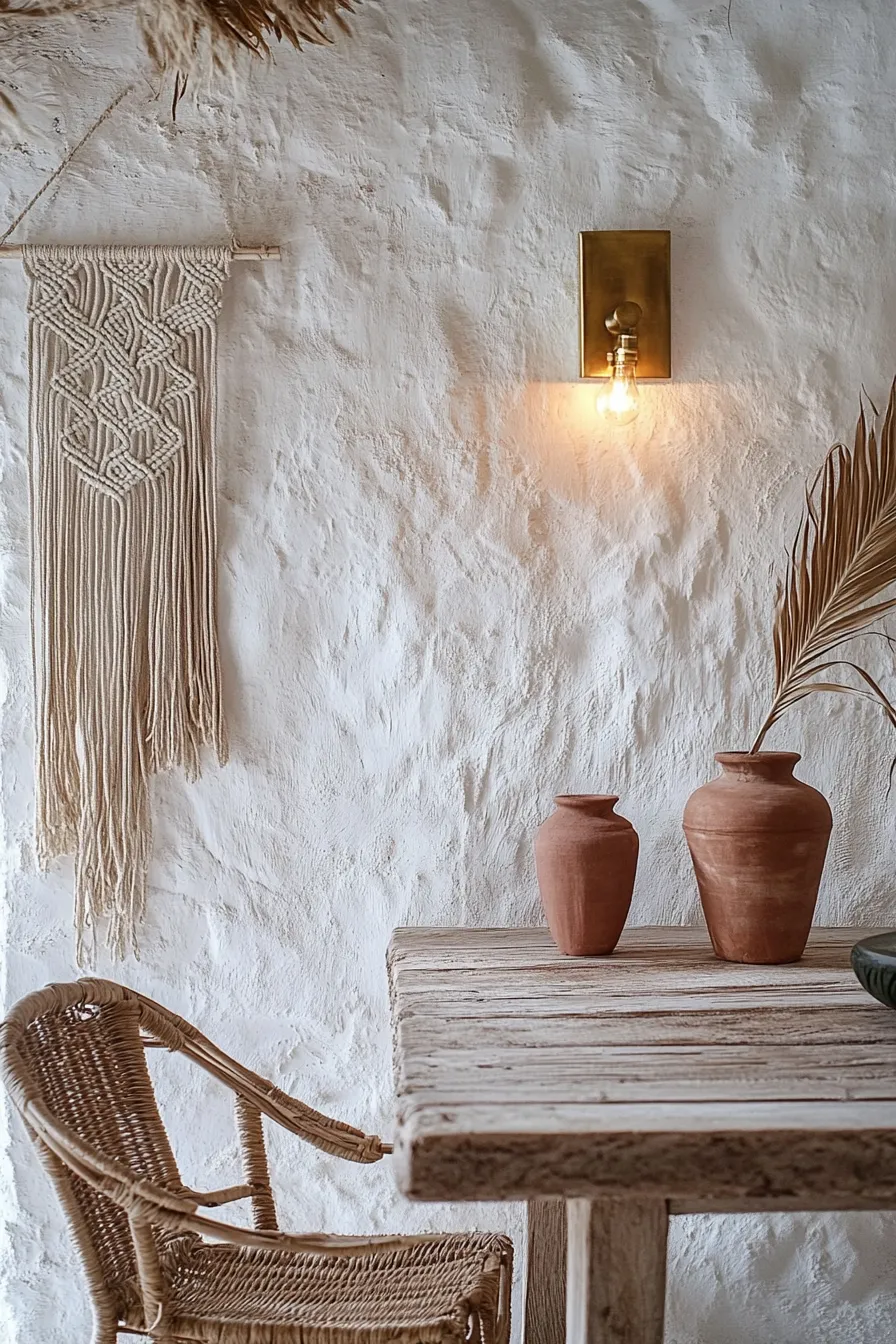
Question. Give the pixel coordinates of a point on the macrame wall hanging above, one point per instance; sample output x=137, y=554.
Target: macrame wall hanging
x=122, y=350
x=127, y=676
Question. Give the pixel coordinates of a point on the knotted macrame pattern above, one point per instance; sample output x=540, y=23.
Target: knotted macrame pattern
x=127, y=676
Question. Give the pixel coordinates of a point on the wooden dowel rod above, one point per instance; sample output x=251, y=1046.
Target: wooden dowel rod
x=263, y=253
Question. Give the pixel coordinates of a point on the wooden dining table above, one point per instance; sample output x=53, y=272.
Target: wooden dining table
x=612, y=1093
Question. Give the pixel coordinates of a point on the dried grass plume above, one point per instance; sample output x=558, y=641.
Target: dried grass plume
x=202, y=37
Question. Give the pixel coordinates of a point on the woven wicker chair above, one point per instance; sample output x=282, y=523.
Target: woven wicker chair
x=72, y=1058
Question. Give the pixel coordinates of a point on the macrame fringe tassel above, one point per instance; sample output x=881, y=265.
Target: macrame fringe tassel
x=127, y=670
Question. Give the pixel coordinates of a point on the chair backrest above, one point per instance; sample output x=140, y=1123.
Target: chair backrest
x=77, y=1049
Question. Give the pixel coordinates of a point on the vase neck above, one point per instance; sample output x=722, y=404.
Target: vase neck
x=592, y=804
x=759, y=766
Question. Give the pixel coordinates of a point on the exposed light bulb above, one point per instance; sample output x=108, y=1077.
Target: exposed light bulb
x=618, y=402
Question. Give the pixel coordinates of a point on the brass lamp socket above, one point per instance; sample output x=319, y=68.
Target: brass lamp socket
x=622, y=323
x=625, y=355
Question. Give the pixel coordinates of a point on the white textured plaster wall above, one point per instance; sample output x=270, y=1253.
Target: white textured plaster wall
x=446, y=591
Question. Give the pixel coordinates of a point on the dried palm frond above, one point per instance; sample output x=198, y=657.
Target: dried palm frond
x=841, y=564
x=194, y=37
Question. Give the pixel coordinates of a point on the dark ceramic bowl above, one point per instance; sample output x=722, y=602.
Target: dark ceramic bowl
x=874, y=962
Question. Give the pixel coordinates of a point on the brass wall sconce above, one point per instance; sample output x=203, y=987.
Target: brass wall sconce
x=625, y=291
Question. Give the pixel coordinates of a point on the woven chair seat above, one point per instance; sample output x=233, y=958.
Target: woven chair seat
x=418, y=1294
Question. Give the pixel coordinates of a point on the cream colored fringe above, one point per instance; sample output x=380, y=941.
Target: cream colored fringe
x=127, y=676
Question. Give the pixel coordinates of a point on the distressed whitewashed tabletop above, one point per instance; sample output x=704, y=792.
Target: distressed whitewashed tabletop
x=658, y=1080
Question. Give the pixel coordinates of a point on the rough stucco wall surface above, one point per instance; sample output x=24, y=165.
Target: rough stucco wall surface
x=446, y=591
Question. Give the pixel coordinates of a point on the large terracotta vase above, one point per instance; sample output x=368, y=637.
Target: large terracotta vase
x=758, y=840
x=585, y=857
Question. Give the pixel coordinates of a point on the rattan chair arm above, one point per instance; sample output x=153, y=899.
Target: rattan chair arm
x=148, y=1203
x=333, y=1136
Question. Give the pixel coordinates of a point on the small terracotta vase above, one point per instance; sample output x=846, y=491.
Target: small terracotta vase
x=758, y=840
x=585, y=858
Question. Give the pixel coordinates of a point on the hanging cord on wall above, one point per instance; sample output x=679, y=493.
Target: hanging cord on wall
x=260, y=252
x=57, y=173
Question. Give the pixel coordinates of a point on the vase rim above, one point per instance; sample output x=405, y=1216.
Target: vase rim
x=585, y=799
x=738, y=757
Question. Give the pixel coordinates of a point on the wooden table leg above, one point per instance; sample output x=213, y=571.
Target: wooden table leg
x=546, y=1274
x=616, y=1287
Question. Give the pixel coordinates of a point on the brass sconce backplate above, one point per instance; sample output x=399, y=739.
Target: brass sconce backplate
x=618, y=266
